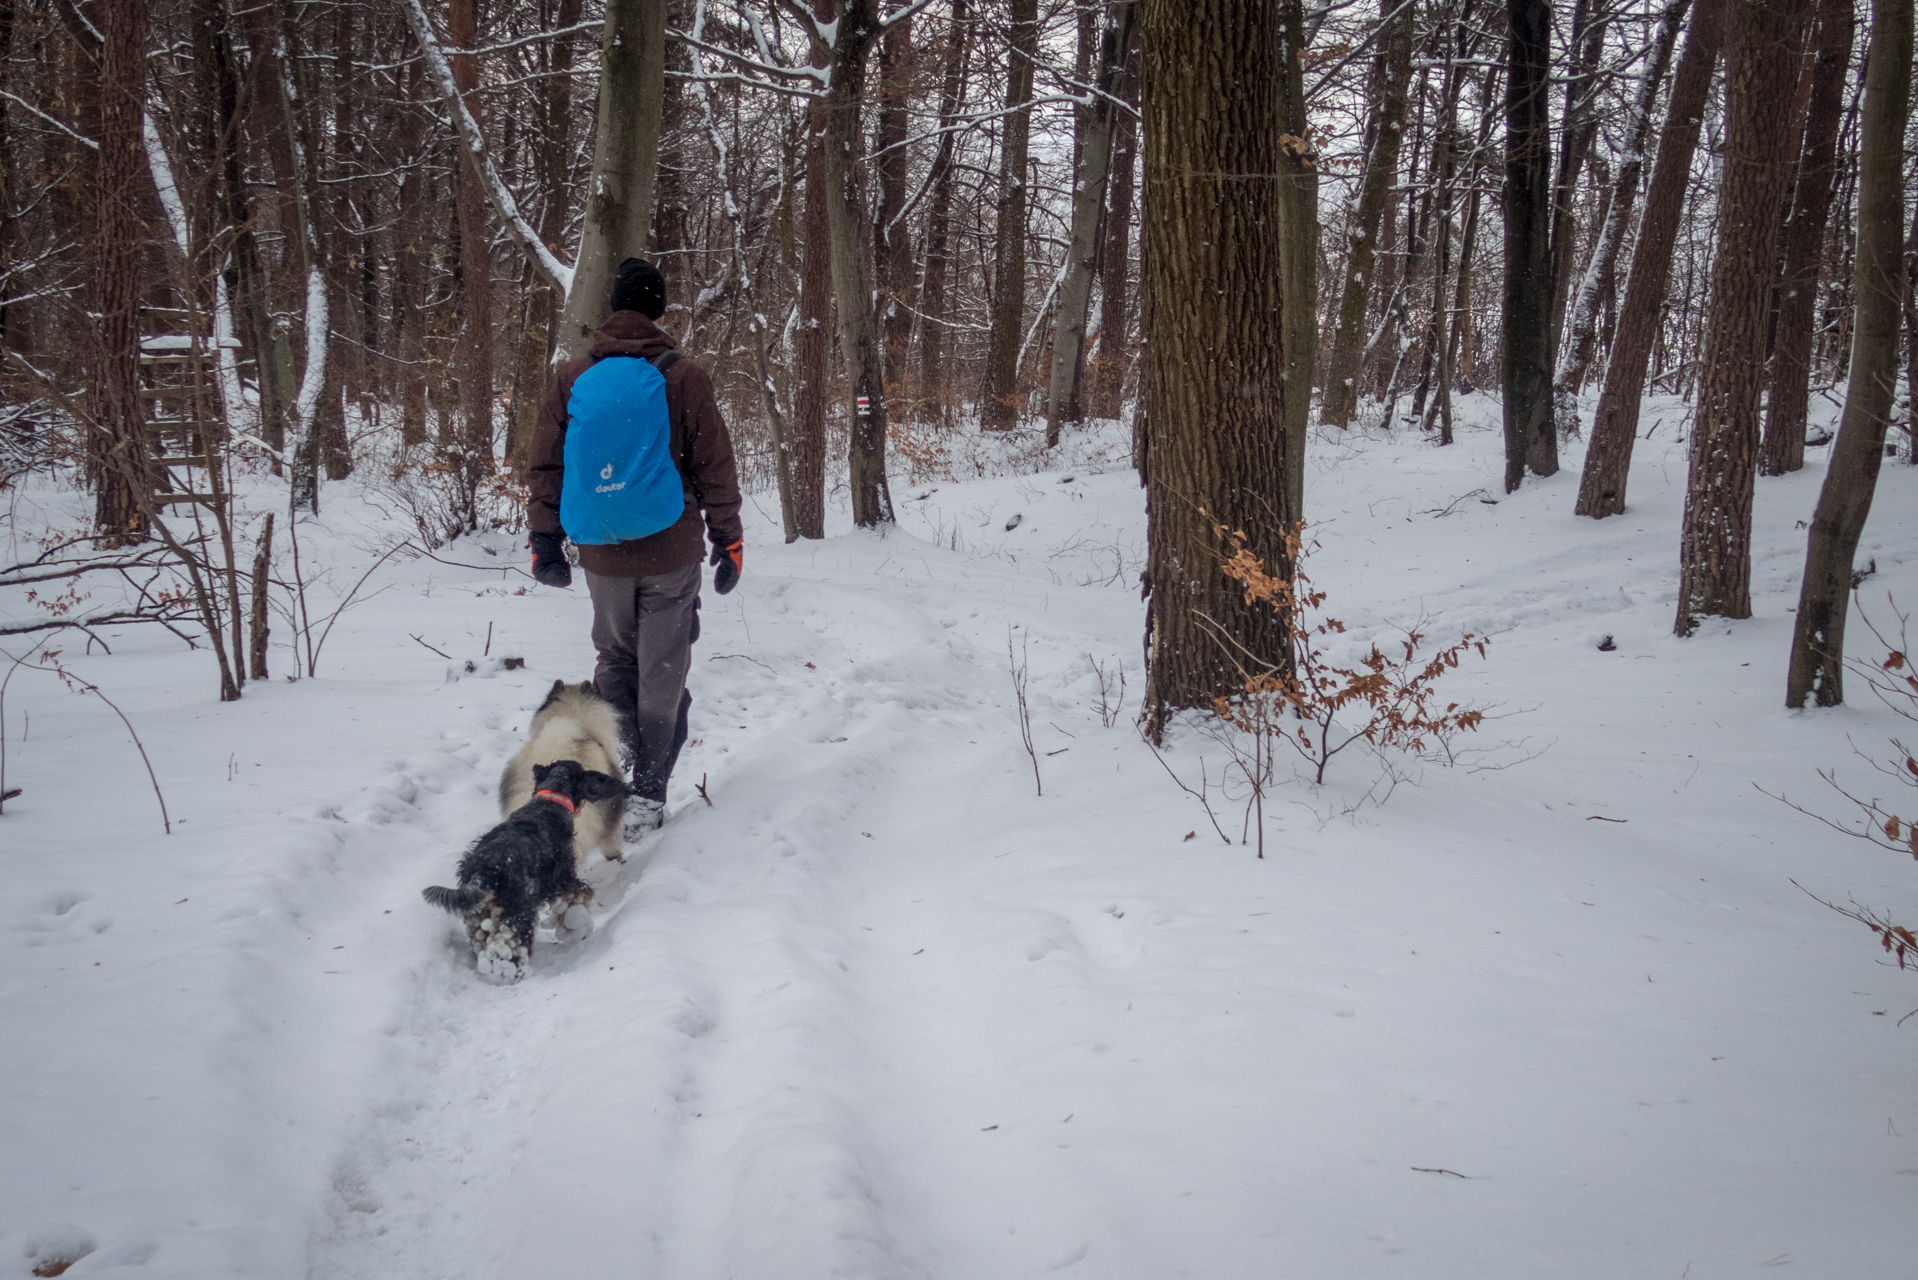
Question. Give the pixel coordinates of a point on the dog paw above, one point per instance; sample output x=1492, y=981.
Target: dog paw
x=575, y=923
x=501, y=967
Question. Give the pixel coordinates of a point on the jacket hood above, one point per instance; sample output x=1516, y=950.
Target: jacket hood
x=628, y=333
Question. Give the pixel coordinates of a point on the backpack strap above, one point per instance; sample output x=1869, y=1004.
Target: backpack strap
x=662, y=362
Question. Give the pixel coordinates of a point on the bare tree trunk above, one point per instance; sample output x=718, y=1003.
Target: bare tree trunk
x=552, y=144
x=892, y=240
x=250, y=276
x=1576, y=132
x=1530, y=441
x=1608, y=460
x=934, y=381
x=619, y=206
x=258, y=624
x=999, y=411
x=1761, y=66
x=1783, y=448
x=476, y=281
x=1105, y=381
x=1438, y=345
x=409, y=275
x=117, y=454
x=1384, y=131
x=1911, y=342
x=858, y=28
x=1215, y=360
x=1582, y=345
x=815, y=320
x=1298, y=248
x=1088, y=208
x=1818, y=633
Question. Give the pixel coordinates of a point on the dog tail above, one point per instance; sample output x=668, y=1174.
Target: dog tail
x=456, y=901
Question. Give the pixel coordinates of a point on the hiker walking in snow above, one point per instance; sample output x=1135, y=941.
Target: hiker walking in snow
x=629, y=450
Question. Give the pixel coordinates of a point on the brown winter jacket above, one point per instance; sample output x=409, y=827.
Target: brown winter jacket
x=702, y=450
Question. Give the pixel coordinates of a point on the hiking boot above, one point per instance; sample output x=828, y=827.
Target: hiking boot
x=642, y=817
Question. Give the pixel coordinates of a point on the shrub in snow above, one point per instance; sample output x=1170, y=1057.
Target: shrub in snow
x=1894, y=679
x=1388, y=698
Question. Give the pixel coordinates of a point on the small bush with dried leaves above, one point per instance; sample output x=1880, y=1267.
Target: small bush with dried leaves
x=1894, y=680
x=1388, y=699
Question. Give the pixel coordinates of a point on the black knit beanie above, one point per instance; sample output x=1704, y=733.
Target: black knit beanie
x=639, y=287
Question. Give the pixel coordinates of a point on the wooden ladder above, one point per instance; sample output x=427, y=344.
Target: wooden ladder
x=185, y=428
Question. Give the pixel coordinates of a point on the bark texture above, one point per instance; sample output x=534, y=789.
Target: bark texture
x=1761, y=69
x=1818, y=633
x=999, y=410
x=117, y=452
x=1106, y=369
x=1783, y=448
x=808, y=440
x=850, y=235
x=1384, y=130
x=1530, y=442
x=1582, y=342
x=1088, y=208
x=632, y=87
x=891, y=239
x=1214, y=362
x=1608, y=460
x=476, y=275
x=934, y=383
x=1298, y=247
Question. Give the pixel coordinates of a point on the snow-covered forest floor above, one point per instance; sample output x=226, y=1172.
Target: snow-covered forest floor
x=879, y=1010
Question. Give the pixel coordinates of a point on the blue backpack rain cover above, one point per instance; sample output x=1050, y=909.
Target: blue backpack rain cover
x=620, y=482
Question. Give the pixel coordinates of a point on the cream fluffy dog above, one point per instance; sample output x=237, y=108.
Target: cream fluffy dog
x=574, y=723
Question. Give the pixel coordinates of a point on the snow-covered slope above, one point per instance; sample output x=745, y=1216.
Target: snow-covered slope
x=880, y=1010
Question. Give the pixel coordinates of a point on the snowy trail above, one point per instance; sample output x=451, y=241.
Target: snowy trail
x=731, y=965
x=881, y=1011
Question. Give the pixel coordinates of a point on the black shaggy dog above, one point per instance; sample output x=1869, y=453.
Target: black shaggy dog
x=523, y=864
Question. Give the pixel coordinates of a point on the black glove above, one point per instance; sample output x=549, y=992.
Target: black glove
x=549, y=560
x=728, y=563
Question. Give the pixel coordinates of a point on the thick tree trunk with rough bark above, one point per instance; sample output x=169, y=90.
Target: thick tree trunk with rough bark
x=999, y=410
x=850, y=235
x=808, y=438
x=619, y=204
x=1215, y=360
x=1088, y=207
x=1530, y=441
x=1818, y=631
x=1582, y=342
x=1608, y=460
x=117, y=452
x=1783, y=448
x=1391, y=78
x=1761, y=67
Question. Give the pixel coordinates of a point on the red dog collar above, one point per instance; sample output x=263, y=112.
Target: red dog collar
x=556, y=798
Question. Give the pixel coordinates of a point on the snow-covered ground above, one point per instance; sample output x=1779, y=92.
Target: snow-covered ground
x=879, y=1010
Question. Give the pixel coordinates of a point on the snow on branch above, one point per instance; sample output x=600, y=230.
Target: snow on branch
x=817, y=75
x=903, y=13
x=497, y=193
x=68, y=130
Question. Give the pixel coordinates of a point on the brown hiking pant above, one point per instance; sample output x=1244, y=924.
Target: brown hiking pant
x=644, y=629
